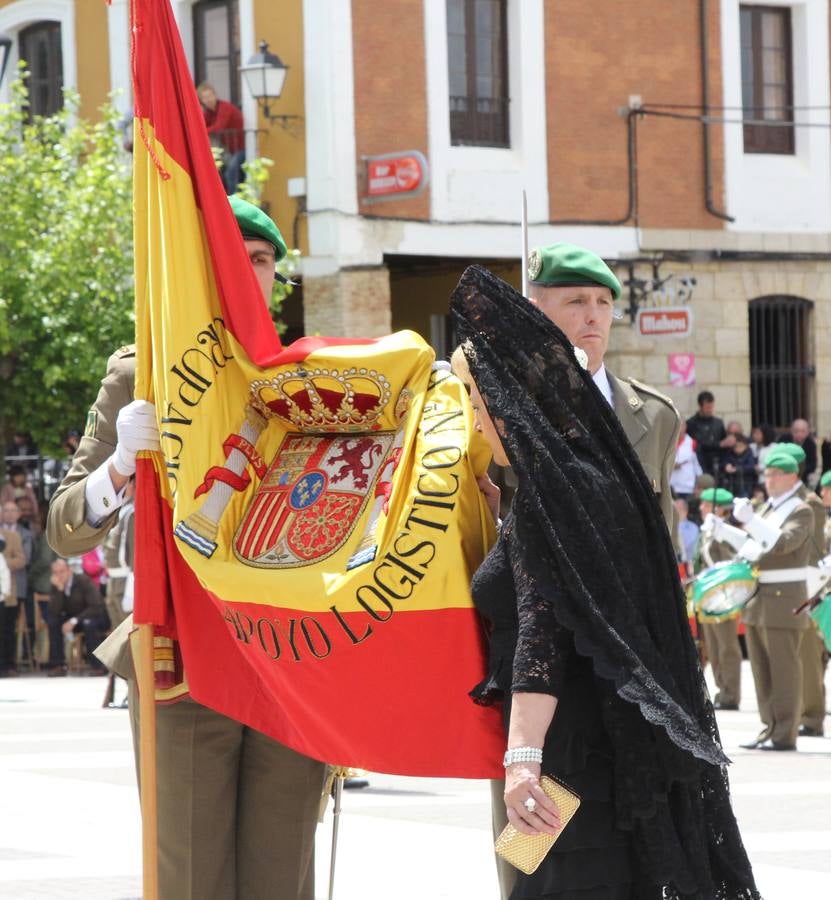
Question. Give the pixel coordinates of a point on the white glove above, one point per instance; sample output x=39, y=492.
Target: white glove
x=742, y=510
x=137, y=430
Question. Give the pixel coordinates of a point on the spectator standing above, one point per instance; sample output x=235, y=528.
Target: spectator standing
x=22, y=445
x=40, y=586
x=800, y=433
x=17, y=486
x=11, y=523
x=687, y=467
x=709, y=433
x=762, y=439
x=225, y=128
x=687, y=533
x=740, y=467
x=15, y=560
x=75, y=607
x=5, y=575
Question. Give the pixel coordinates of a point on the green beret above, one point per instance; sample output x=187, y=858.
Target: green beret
x=781, y=460
x=825, y=481
x=566, y=265
x=255, y=225
x=793, y=450
x=717, y=496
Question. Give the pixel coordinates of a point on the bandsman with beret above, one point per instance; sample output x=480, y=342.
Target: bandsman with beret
x=812, y=654
x=237, y=811
x=721, y=639
x=780, y=540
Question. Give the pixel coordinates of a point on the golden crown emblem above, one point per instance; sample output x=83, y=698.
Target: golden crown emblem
x=324, y=399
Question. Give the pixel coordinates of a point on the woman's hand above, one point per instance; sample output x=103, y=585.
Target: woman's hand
x=522, y=781
x=491, y=493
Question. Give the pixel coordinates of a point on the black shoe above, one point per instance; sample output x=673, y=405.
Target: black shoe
x=726, y=706
x=775, y=745
x=353, y=784
x=807, y=731
x=754, y=744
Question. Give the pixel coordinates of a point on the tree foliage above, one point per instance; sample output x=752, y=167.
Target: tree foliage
x=66, y=262
x=66, y=270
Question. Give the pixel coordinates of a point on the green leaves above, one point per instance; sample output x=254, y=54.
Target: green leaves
x=66, y=263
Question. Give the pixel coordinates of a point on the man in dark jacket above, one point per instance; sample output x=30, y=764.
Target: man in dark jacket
x=75, y=607
x=709, y=434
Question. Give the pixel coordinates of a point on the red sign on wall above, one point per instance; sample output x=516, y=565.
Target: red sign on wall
x=667, y=321
x=393, y=176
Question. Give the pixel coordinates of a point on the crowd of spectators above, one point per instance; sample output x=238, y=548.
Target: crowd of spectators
x=733, y=456
x=48, y=605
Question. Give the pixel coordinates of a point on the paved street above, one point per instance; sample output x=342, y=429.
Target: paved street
x=69, y=825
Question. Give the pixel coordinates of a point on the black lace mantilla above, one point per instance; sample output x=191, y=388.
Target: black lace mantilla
x=588, y=535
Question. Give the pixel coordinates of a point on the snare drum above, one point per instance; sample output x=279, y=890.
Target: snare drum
x=720, y=592
x=821, y=614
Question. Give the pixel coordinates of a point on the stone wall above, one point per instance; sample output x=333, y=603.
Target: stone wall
x=720, y=339
x=352, y=302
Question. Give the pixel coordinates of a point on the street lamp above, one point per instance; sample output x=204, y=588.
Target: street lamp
x=5, y=53
x=265, y=75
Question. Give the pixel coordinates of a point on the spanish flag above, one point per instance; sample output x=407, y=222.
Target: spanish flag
x=307, y=535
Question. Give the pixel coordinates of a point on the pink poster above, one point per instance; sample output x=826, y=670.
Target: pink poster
x=681, y=369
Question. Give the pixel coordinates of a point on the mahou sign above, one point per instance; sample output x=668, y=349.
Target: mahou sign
x=665, y=321
x=393, y=176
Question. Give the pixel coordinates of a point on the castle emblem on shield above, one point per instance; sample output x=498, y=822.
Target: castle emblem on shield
x=310, y=498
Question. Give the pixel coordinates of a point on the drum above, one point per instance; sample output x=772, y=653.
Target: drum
x=720, y=592
x=821, y=614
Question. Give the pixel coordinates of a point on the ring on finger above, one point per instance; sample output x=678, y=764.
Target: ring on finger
x=530, y=804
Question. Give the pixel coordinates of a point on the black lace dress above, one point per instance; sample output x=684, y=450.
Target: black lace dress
x=584, y=600
x=593, y=858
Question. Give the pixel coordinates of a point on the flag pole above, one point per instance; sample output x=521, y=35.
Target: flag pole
x=524, y=260
x=337, y=793
x=147, y=762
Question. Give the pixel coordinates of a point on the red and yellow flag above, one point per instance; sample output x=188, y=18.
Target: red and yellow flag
x=308, y=533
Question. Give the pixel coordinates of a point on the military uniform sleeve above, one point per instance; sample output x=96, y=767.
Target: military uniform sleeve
x=670, y=414
x=68, y=531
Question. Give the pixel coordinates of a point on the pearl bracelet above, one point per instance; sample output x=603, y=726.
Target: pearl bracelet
x=522, y=754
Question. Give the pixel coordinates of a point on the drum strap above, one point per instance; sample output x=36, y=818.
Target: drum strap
x=777, y=516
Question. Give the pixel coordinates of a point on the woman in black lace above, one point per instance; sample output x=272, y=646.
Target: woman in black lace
x=590, y=646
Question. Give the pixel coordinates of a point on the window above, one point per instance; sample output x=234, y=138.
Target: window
x=216, y=46
x=40, y=46
x=477, y=56
x=767, y=79
x=781, y=380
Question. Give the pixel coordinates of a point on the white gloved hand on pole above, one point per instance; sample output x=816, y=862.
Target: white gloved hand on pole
x=137, y=429
x=742, y=510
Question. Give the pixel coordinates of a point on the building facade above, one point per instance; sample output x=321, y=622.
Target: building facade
x=689, y=143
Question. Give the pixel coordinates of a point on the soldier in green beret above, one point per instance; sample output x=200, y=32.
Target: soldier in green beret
x=721, y=639
x=576, y=290
x=237, y=811
x=782, y=536
x=812, y=654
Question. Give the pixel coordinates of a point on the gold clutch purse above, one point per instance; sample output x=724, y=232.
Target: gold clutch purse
x=527, y=851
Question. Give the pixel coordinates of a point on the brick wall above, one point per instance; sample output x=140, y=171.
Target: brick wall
x=350, y=303
x=390, y=90
x=651, y=49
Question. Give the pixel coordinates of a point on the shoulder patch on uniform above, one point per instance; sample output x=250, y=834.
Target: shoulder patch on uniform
x=92, y=423
x=653, y=392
